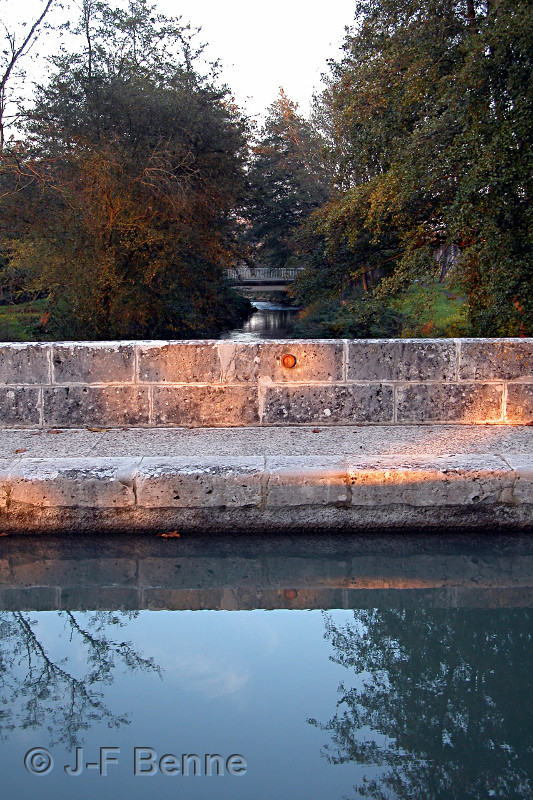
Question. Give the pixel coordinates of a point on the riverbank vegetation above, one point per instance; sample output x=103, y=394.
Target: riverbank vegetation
x=133, y=181
x=427, y=120
x=119, y=202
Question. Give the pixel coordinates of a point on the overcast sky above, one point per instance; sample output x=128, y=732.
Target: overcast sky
x=263, y=45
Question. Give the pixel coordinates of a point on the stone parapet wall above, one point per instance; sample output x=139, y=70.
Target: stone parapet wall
x=232, y=384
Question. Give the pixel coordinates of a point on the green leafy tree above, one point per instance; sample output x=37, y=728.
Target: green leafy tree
x=288, y=180
x=428, y=118
x=122, y=198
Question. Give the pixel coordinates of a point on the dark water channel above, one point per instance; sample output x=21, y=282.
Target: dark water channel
x=302, y=668
x=269, y=321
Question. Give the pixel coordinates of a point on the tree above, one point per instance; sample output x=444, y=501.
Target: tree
x=428, y=117
x=15, y=45
x=288, y=180
x=129, y=177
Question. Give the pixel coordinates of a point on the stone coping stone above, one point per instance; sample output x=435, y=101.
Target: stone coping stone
x=486, y=484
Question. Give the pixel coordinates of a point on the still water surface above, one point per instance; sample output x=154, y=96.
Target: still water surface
x=427, y=695
x=269, y=321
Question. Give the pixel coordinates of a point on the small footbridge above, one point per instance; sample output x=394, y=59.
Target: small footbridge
x=262, y=277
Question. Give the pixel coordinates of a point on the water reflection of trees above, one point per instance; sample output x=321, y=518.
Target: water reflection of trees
x=38, y=691
x=442, y=703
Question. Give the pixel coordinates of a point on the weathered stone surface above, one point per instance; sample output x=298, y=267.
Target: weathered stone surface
x=93, y=362
x=185, y=362
x=443, y=402
x=401, y=360
x=448, y=481
x=316, y=361
x=299, y=480
x=328, y=405
x=106, y=406
x=6, y=465
x=23, y=362
x=257, y=521
x=206, y=406
x=93, y=483
x=523, y=468
x=239, y=361
x=519, y=406
x=495, y=359
x=186, y=483
x=19, y=407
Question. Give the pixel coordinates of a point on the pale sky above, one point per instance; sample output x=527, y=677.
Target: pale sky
x=262, y=45
x=265, y=45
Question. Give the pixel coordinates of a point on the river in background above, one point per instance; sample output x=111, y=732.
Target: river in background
x=268, y=321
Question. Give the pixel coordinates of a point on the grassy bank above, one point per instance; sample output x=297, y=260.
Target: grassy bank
x=18, y=322
x=432, y=310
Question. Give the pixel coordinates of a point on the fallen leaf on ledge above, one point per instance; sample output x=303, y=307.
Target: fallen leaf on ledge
x=20, y=450
x=171, y=535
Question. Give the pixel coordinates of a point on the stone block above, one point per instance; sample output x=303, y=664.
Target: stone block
x=105, y=406
x=6, y=465
x=328, y=405
x=519, y=405
x=93, y=362
x=489, y=359
x=24, y=363
x=73, y=482
x=185, y=362
x=205, y=406
x=441, y=402
x=189, y=483
x=20, y=407
x=401, y=360
x=442, y=481
x=522, y=464
x=315, y=361
x=304, y=480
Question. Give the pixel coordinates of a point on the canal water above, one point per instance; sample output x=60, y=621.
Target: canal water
x=268, y=321
x=316, y=669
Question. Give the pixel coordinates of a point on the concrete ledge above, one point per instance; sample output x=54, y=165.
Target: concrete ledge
x=258, y=485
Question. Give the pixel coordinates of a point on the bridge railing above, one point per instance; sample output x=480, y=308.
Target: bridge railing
x=262, y=273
